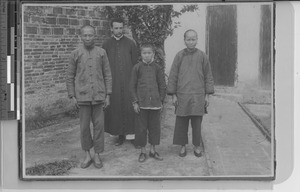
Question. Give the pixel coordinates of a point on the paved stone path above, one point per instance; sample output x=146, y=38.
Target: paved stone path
x=234, y=145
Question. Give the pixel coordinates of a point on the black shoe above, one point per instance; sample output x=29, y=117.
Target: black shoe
x=182, y=154
x=120, y=140
x=156, y=156
x=142, y=157
x=86, y=165
x=198, y=154
x=98, y=165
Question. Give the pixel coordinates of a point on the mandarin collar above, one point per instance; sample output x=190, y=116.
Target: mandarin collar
x=149, y=62
x=187, y=51
x=91, y=49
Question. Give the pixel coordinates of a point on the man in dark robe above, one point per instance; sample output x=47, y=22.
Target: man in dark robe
x=122, y=55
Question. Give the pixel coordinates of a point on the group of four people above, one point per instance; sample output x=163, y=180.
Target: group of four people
x=123, y=96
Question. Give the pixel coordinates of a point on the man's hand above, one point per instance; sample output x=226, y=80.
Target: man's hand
x=206, y=100
x=74, y=100
x=136, y=108
x=174, y=100
x=106, y=102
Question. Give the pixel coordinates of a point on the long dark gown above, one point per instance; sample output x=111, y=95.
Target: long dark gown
x=122, y=56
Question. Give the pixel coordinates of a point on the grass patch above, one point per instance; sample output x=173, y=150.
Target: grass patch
x=42, y=120
x=54, y=168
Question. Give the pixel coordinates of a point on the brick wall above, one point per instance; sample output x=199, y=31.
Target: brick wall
x=50, y=34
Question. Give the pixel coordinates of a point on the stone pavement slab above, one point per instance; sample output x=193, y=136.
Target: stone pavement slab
x=263, y=113
x=233, y=144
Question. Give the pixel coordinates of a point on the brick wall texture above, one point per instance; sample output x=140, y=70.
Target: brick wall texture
x=50, y=34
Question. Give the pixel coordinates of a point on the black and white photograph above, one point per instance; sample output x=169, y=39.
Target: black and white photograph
x=154, y=91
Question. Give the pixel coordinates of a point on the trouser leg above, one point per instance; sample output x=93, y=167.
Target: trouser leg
x=122, y=137
x=85, y=132
x=196, y=122
x=98, y=127
x=181, y=130
x=154, y=127
x=141, y=122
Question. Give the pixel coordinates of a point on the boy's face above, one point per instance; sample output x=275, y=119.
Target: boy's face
x=117, y=29
x=88, y=37
x=191, y=40
x=147, y=54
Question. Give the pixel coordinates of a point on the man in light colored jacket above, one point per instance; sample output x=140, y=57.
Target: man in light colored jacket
x=89, y=84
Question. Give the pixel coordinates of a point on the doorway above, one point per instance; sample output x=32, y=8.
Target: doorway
x=221, y=46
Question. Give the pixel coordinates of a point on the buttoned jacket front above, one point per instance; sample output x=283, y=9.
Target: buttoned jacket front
x=190, y=79
x=89, y=75
x=148, y=85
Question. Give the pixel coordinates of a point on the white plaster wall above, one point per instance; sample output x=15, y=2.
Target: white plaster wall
x=190, y=20
x=248, y=28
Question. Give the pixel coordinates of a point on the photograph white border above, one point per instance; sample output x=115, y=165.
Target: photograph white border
x=287, y=151
x=160, y=178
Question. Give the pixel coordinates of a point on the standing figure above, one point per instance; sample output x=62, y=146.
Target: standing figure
x=148, y=88
x=190, y=84
x=122, y=55
x=89, y=85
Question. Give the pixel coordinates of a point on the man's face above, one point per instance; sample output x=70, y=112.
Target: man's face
x=88, y=37
x=117, y=29
x=191, y=39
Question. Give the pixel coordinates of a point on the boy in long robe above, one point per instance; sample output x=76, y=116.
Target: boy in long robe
x=190, y=84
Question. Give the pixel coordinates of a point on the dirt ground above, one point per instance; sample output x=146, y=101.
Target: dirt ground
x=61, y=142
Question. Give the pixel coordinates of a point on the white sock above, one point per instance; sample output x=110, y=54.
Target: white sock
x=130, y=137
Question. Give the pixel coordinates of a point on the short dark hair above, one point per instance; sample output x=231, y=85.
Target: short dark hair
x=116, y=20
x=190, y=30
x=85, y=26
x=147, y=45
